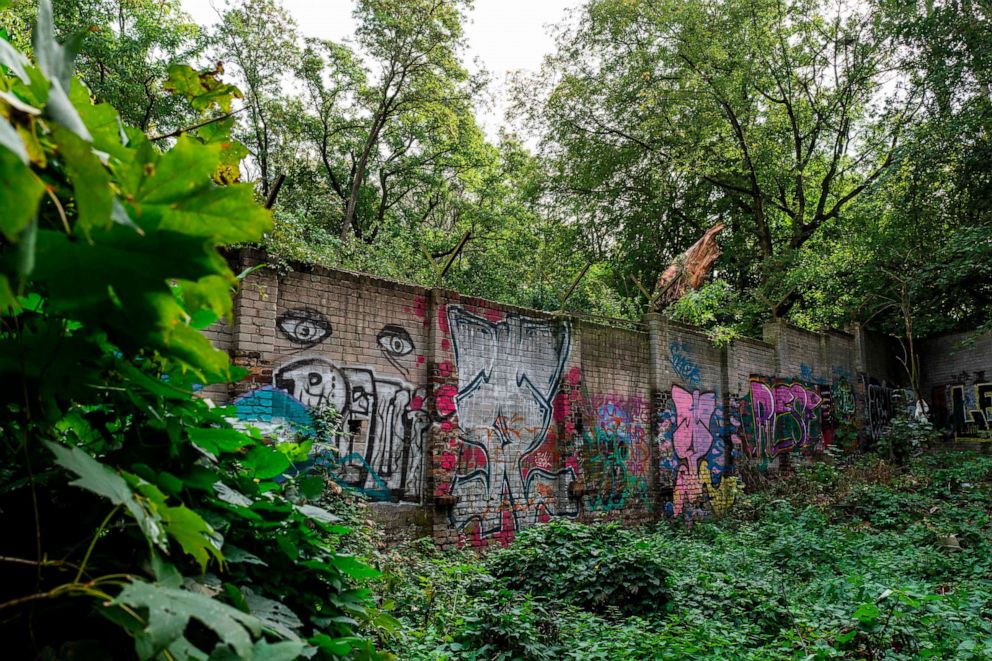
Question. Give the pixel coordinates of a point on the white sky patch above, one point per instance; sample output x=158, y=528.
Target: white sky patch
x=503, y=36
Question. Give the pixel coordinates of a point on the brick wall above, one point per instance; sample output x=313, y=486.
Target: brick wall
x=470, y=420
x=956, y=376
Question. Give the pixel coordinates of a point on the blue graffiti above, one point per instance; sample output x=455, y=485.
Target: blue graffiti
x=280, y=416
x=679, y=357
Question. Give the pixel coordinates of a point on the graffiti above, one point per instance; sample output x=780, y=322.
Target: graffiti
x=878, y=409
x=615, y=453
x=395, y=342
x=275, y=413
x=971, y=408
x=783, y=416
x=842, y=398
x=691, y=441
x=682, y=364
x=383, y=423
x=694, y=433
x=508, y=373
x=304, y=327
x=806, y=373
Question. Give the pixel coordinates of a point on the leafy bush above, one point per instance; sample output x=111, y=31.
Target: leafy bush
x=505, y=624
x=907, y=436
x=592, y=567
x=136, y=519
x=861, y=560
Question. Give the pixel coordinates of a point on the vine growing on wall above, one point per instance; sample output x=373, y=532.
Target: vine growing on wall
x=136, y=520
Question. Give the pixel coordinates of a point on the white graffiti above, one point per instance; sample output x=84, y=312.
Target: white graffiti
x=508, y=373
x=384, y=423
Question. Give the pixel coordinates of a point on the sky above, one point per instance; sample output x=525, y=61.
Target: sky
x=503, y=35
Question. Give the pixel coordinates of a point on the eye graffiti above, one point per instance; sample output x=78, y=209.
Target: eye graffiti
x=395, y=343
x=304, y=327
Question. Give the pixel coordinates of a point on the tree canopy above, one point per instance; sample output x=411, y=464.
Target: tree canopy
x=844, y=145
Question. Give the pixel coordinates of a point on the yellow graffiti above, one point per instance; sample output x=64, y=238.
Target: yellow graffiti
x=722, y=497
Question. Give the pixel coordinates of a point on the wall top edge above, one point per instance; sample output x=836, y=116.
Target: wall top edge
x=957, y=336
x=251, y=256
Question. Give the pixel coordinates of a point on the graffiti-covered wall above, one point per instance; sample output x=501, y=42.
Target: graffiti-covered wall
x=319, y=345
x=957, y=376
x=469, y=420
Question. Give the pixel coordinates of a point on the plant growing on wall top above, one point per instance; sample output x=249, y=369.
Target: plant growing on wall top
x=135, y=519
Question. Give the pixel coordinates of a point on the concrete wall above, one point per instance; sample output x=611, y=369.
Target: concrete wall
x=470, y=420
x=956, y=376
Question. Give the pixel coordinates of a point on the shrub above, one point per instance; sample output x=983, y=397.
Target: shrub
x=592, y=567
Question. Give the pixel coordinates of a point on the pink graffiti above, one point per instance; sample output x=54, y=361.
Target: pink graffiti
x=769, y=404
x=561, y=407
x=691, y=441
x=445, y=399
x=442, y=320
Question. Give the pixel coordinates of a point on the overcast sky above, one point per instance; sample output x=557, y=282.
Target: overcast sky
x=504, y=35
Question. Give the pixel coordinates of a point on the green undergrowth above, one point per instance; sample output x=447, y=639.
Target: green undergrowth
x=863, y=561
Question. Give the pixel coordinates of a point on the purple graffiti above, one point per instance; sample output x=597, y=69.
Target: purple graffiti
x=782, y=417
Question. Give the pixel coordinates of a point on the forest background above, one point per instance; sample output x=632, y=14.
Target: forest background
x=845, y=146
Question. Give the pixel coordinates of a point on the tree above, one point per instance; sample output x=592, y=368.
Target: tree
x=259, y=38
x=660, y=119
x=419, y=91
x=125, y=52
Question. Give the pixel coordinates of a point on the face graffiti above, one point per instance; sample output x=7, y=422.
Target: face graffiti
x=383, y=423
x=304, y=327
x=395, y=343
x=508, y=373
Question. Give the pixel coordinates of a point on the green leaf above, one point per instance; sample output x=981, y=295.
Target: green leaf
x=26, y=249
x=285, y=650
x=10, y=139
x=14, y=60
x=202, y=88
x=275, y=616
x=312, y=486
x=194, y=535
x=317, y=513
x=139, y=379
x=266, y=462
x=54, y=59
x=103, y=122
x=225, y=214
x=867, y=613
x=103, y=481
x=218, y=440
x=20, y=194
x=7, y=298
x=90, y=181
x=170, y=610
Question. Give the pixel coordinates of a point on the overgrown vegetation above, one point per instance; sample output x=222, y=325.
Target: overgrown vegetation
x=137, y=521
x=862, y=560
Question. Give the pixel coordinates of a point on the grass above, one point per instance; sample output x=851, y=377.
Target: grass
x=865, y=561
